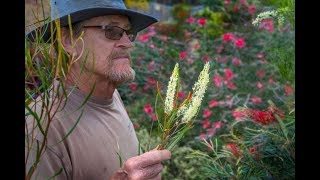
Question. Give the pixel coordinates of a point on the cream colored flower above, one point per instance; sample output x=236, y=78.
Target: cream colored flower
x=171, y=91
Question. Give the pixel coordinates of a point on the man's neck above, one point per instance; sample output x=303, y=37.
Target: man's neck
x=85, y=83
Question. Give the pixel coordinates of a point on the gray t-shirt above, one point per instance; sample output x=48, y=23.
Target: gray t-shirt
x=91, y=151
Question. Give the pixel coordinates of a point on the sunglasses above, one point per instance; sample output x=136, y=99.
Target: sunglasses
x=115, y=32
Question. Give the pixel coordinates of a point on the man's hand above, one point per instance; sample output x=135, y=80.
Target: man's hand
x=147, y=166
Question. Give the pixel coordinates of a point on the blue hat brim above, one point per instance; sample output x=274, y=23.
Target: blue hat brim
x=139, y=21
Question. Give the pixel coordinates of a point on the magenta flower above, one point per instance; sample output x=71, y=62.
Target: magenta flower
x=202, y=21
x=236, y=61
x=213, y=103
x=183, y=54
x=133, y=86
x=217, y=80
x=228, y=37
x=190, y=20
x=256, y=99
x=206, y=113
x=148, y=109
x=240, y=43
x=205, y=124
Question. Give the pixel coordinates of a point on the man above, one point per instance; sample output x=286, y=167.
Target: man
x=104, y=134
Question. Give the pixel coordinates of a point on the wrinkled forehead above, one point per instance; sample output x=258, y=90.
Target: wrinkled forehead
x=117, y=20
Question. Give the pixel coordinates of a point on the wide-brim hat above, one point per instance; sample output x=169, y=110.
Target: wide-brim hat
x=80, y=10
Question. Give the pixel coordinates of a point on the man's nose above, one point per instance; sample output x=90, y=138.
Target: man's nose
x=125, y=41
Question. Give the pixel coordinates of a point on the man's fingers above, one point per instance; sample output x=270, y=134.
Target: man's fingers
x=149, y=172
x=147, y=159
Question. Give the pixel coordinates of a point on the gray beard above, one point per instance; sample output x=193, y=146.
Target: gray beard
x=121, y=77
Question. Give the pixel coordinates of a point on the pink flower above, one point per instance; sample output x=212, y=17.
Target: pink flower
x=219, y=49
x=260, y=55
x=228, y=73
x=228, y=37
x=211, y=132
x=151, y=80
x=213, y=103
x=234, y=149
x=196, y=46
x=143, y=37
x=236, y=61
x=227, y=2
x=205, y=58
x=217, y=80
x=240, y=43
x=154, y=117
x=270, y=80
x=183, y=54
x=180, y=95
x=231, y=86
x=202, y=136
x=259, y=85
x=217, y=125
x=152, y=46
x=164, y=38
x=252, y=9
x=187, y=34
x=260, y=73
x=205, y=124
x=238, y=114
x=288, y=90
x=255, y=99
x=133, y=86
x=236, y=8
x=146, y=87
x=148, y=109
x=151, y=65
x=202, y=21
x=267, y=24
x=206, y=113
x=190, y=20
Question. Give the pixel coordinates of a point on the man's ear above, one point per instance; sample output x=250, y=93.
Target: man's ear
x=66, y=40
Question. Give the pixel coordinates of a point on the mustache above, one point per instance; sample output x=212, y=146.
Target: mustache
x=120, y=54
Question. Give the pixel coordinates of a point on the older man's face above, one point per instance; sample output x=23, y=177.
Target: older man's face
x=111, y=57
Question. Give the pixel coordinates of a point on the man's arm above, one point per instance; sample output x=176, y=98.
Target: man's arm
x=144, y=167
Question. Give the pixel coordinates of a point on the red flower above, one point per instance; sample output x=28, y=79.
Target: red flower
x=260, y=73
x=196, y=46
x=133, y=86
x=234, y=149
x=267, y=24
x=259, y=85
x=231, y=86
x=288, y=90
x=135, y=126
x=236, y=8
x=255, y=99
x=238, y=114
x=260, y=55
x=227, y=2
x=148, y=109
x=236, y=61
x=206, y=113
x=183, y=54
x=228, y=73
x=252, y=9
x=228, y=37
x=213, y=103
x=205, y=58
x=205, y=124
x=219, y=49
x=190, y=20
x=151, y=80
x=180, y=95
x=143, y=37
x=217, y=80
x=211, y=132
x=154, y=117
x=217, y=125
x=240, y=43
x=202, y=21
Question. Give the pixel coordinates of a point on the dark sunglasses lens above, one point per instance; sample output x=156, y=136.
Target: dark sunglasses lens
x=114, y=33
